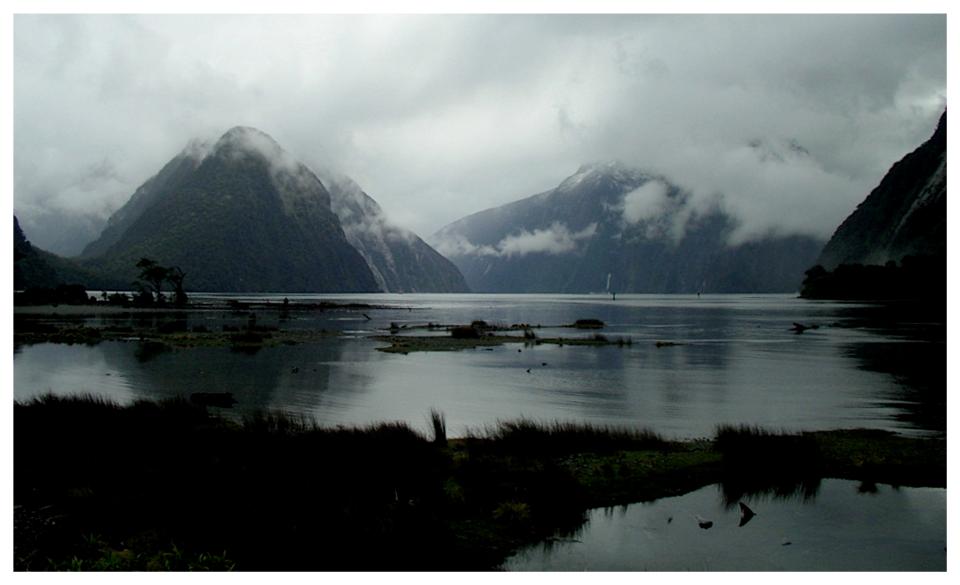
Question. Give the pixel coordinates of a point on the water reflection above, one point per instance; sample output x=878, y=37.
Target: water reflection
x=919, y=370
x=735, y=360
x=839, y=528
x=908, y=344
x=296, y=378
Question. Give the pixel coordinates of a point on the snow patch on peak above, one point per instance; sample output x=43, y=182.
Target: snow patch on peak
x=614, y=171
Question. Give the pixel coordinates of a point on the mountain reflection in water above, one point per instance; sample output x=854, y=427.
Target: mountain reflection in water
x=730, y=359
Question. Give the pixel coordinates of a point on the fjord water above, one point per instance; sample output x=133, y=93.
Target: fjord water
x=841, y=526
x=732, y=359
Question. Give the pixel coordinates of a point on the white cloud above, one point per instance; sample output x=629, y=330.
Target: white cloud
x=557, y=239
x=648, y=201
x=441, y=116
x=453, y=246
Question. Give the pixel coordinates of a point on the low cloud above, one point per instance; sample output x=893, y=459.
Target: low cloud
x=649, y=201
x=453, y=246
x=556, y=239
x=440, y=116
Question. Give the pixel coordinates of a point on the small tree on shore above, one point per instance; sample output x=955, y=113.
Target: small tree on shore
x=153, y=275
x=175, y=277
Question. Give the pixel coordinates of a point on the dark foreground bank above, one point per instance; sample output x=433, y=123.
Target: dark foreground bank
x=168, y=486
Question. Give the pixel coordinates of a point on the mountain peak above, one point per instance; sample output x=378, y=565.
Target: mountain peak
x=266, y=222
x=612, y=171
x=246, y=138
x=244, y=131
x=609, y=167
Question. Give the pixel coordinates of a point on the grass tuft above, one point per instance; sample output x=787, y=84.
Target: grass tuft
x=757, y=460
x=558, y=437
x=439, y=423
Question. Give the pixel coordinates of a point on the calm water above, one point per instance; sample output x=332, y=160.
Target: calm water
x=838, y=529
x=738, y=362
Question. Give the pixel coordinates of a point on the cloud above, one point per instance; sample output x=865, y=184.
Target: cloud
x=556, y=239
x=453, y=246
x=362, y=219
x=662, y=214
x=648, y=201
x=442, y=116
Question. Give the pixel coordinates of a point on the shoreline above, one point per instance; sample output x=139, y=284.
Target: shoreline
x=280, y=493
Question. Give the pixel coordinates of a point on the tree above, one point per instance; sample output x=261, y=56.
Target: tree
x=153, y=275
x=175, y=277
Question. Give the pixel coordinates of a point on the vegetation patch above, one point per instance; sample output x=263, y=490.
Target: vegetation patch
x=410, y=343
x=168, y=486
x=166, y=328
x=587, y=324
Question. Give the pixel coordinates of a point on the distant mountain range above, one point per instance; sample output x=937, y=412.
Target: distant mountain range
x=33, y=267
x=243, y=215
x=611, y=227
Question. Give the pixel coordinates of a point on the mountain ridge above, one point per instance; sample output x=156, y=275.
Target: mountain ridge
x=904, y=215
x=612, y=222
x=240, y=214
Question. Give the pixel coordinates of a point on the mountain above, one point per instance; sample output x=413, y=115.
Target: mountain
x=171, y=176
x=238, y=215
x=610, y=227
x=894, y=244
x=400, y=261
x=906, y=214
x=33, y=267
x=60, y=231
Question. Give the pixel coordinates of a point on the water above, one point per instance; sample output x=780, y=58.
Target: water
x=841, y=528
x=737, y=362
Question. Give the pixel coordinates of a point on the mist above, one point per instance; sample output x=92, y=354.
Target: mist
x=786, y=121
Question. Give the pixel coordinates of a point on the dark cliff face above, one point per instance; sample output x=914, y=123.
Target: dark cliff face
x=590, y=234
x=171, y=176
x=906, y=215
x=400, y=261
x=241, y=215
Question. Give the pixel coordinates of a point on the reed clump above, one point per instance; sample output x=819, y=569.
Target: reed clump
x=439, y=423
x=559, y=437
x=759, y=460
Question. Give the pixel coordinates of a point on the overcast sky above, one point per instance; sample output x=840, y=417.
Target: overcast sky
x=437, y=117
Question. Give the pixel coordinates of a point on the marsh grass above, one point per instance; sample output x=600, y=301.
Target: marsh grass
x=163, y=485
x=558, y=437
x=274, y=492
x=761, y=461
x=439, y=423
x=278, y=422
